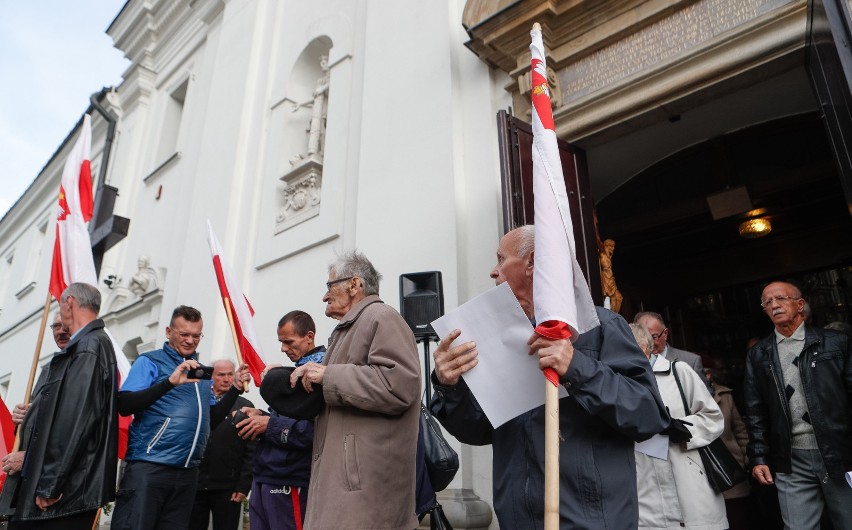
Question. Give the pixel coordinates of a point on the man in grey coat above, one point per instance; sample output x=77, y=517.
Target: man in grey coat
x=656, y=326
x=612, y=402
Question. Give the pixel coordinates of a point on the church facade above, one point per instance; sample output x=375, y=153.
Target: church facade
x=301, y=130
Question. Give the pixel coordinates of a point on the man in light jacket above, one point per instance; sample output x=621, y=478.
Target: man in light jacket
x=365, y=445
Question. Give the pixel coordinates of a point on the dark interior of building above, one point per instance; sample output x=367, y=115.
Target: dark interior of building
x=678, y=245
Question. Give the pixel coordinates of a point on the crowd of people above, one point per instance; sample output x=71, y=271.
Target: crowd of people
x=346, y=456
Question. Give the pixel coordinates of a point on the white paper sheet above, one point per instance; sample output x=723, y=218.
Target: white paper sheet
x=656, y=446
x=507, y=382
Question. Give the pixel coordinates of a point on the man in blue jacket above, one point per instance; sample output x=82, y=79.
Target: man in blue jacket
x=613, y=401
x=173, y=414
x=282, y=460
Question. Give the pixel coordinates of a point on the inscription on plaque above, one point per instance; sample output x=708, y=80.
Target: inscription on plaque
x=659, y=42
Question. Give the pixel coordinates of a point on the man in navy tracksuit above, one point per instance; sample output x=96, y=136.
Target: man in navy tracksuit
x=282, y=460
x=173, y=414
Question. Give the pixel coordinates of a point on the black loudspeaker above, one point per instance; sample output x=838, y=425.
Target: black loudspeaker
x=421, y=300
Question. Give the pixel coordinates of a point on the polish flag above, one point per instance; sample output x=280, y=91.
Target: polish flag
x=7, y=436
x=241, y=311
x=563, y=302
x=72, y=249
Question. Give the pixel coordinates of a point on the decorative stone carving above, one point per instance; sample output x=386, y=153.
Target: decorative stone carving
x=299, y=195
x=145, y=279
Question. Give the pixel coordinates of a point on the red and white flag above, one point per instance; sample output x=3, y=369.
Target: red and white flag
x=563, y=302
x=7, y=436
x=72, y=250
x=241, y=310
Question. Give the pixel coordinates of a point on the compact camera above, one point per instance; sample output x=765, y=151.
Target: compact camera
x=202, y=372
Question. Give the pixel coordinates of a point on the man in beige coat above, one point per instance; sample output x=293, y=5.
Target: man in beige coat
x=365, y=442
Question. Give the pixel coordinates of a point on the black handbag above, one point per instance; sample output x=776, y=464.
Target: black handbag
x=442, y=462
x=722, y=469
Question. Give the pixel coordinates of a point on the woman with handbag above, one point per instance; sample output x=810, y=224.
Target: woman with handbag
x=676, y=493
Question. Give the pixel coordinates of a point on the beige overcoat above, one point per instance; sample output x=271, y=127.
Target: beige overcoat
x=365, y=445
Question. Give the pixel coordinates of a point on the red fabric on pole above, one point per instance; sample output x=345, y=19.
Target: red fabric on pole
x=241, y=310
x=7, y=436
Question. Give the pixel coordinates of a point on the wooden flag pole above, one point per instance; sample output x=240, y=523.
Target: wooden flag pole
x=551, y=456
x=234, y=336
x=34, y=365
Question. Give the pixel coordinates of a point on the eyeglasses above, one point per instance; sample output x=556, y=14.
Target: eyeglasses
x=56, y=326
x=193, y=336
x=656, y=336
x=332, y=282
x=780, y=299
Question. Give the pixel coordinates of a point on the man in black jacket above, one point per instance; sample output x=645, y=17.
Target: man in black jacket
x=224, y=476
x=70, y=463
x=798, y=392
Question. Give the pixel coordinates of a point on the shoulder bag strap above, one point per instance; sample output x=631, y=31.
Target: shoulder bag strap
x=686, y=408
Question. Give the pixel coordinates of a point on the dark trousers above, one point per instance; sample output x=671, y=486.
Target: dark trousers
x=154, y=497
x=272, y=506
x=78, y=521
x=226, y=513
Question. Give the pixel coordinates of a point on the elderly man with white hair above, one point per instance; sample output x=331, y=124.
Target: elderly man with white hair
x=365, y=444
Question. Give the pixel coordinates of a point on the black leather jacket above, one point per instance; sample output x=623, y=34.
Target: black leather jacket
x=826, y=372
x=73, y=447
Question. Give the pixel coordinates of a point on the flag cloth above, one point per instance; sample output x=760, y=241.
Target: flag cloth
x=242, y=312
x=72, y=249
x=7, y=436
x=124, y=422
x=563, y=302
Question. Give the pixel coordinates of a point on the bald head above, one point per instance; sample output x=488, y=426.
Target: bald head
x=783, y=304
x=515, y=265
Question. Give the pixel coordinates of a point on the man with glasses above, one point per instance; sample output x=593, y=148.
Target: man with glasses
x=174, y=413
x=654, y=324
x=798, y=392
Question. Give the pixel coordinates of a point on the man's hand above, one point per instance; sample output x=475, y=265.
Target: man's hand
x=179, y=377
x=242, y=377
x=451, y=363
x=238, y=497
x=268, y=368
x=13, y=461
x=552, y=353
x=310, y=373
x=762, y=474
x=254, y=426
x=19, y=412
x=44, y=504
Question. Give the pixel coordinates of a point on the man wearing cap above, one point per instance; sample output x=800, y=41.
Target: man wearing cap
x=282, y=461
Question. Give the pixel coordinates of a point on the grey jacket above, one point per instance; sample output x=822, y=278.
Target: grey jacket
x=613, y=401
x=690, y=359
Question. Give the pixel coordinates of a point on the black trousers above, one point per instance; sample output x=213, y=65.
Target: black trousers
x=77, y=521
x=226, y=513
x=154, y=497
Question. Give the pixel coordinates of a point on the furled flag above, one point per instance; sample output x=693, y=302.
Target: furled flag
x=7, y=436
x=242, y=312
x=563, y=302
x=72, y=250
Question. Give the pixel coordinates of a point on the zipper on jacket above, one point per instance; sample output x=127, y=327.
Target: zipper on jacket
x=197, y=427
x=813, y=427
x=784, y=404
x=159, y=435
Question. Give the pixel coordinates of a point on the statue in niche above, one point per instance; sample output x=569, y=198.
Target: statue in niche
x=319, y=115
x=608, y=284
x=145, y=279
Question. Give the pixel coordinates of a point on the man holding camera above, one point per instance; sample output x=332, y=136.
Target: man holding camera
x=169, y=393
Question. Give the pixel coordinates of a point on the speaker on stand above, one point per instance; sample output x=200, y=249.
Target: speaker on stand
x=421, y=300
